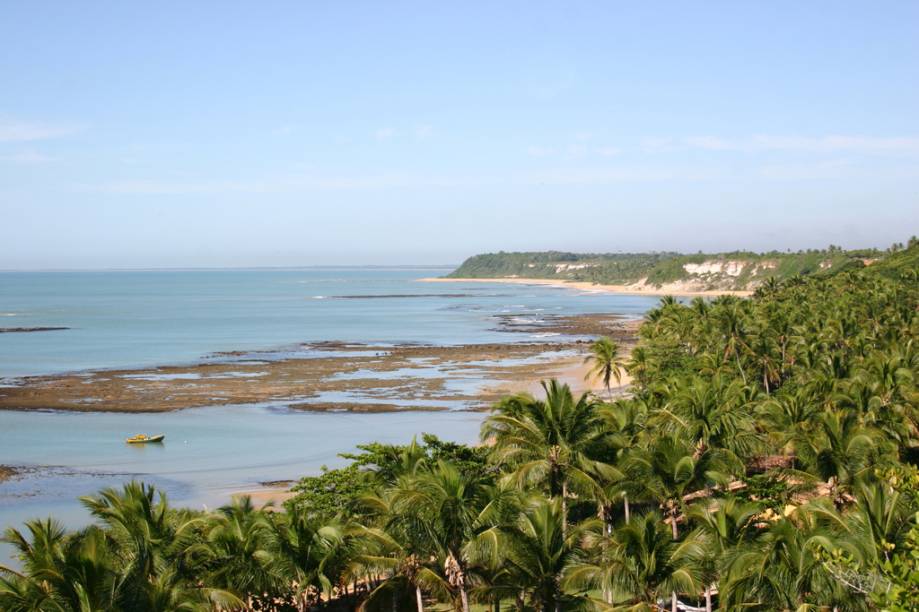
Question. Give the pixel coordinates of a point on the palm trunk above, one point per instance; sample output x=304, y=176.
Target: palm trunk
x=742, y=375
x=418, y=599
x=708, y=599
x=565, y=508
x=464, y=598
x=676, y=535
x=497, y=604
x=625, y=507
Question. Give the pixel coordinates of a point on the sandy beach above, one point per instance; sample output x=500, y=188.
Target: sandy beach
x=677, y=289
x=274, y=495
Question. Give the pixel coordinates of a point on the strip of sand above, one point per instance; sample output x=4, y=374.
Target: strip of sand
x=273, y=496
x=676, y=289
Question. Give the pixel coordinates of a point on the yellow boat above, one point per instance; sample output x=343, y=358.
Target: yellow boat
x=144, y=439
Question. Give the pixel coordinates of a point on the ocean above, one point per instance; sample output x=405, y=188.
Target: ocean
x=120, y=319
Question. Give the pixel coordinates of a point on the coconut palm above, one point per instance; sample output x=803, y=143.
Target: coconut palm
x=670, y=468
x=443, y=509
x=722, y=525
x=152, y=548
x=548, y=444
x=784, y=568
x=537, y=548
x=242, y=551
x=713, y=413
x=408, y=569
x=60, y=571
x=605, y=362
x=842, y=450
x=640, y=564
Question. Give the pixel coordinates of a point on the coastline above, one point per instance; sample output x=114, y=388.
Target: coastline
x=339, y=377
x=676, y=289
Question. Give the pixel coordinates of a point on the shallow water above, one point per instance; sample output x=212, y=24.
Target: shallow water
x=134, y=319
x=127, y=319
x=208, y=453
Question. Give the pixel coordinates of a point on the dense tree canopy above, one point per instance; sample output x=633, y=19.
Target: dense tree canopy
x=764, y=460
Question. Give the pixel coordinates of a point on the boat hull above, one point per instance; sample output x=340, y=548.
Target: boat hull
x=157, y=438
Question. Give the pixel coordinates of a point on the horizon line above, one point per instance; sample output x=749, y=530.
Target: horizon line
x=236, y=268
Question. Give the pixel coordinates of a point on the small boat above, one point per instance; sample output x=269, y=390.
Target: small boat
x=145, y=439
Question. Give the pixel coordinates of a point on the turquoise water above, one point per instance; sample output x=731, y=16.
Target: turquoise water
x=208, y=453
x=127, y=319
x=123, y=319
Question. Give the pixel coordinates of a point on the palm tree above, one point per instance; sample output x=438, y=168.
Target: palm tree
x=713, y=413
x=640, y=364
x=408, y=569
x=605, y=362
x=641, y=564
x=548, y=443
x=242, y=551
x=537, y=548
x=732, y=325
x=309, y=555
x=842, y=450
x=442, y=510
x=153, y=547
x=722, y=525
x=60, y=571
x=670, y=468
x=783, y=567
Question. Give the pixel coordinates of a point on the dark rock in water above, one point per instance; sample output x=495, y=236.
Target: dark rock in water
x=22, y=330
x=278, y=483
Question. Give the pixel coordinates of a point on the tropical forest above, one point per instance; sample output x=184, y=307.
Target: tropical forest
x=763, y=457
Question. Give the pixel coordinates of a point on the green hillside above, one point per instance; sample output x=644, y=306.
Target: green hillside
x=737, y=270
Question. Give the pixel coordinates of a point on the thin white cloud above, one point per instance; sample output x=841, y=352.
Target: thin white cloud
x=607, y=151
x=423, y=132
x=659, y=145
x=283, y=184
x=313, y=182
x=384, y=133
x=284, y=130
x=539, y=151
x=577, y=150
x=820, y=144
x=26, y=157
x=27, y=131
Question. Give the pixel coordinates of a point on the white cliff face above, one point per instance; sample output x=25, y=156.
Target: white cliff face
x=728, y=267
x=566, y=267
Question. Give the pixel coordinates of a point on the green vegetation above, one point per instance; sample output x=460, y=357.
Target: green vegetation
x=738, y=270
x=605, y=362
x=764, y=461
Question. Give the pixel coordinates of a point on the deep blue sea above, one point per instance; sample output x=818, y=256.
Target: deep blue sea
x=146, y=318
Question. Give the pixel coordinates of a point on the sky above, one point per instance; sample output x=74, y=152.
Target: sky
x=198, y=134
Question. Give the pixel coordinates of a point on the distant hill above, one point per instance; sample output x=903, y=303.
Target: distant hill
x=737, y=271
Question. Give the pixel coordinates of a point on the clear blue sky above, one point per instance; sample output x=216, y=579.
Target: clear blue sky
x=297, y=133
